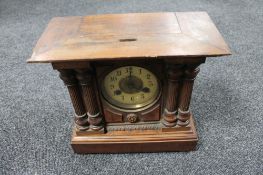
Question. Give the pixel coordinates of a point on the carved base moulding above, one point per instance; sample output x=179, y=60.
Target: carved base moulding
x=130, y=77
x=163, y=140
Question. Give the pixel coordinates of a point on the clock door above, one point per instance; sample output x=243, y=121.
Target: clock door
x=130, y=92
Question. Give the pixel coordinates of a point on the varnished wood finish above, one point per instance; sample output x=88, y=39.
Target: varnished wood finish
x=113, y=116
x=71, y=65
x=87, y=80
x=174, y=74
x=137, y=141
x=126, y=36
x=190, y=74
x=83, y=97
x=171, y=45
x=152, y=114
x=69, y=79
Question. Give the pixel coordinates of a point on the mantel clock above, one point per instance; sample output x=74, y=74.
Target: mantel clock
x=130, y=77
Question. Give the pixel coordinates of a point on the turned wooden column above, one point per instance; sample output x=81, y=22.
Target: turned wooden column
x=81, y=118
x=190, y=74
x=174, y=74
x=87, y=82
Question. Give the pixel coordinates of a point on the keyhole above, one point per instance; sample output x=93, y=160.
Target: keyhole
x=127, y=39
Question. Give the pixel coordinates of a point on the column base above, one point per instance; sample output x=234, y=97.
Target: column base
x=162, y=140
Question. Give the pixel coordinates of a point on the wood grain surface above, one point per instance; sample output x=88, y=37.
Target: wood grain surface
x=126, y=36
x=170, y=139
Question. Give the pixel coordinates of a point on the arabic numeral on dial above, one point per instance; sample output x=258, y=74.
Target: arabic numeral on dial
x=140, y=71
x=150, y=83
x=113, y=79
x=142, y=96
x=111, y=86
x=130, y=70
x=122, y=97
x=132, y=98
x=118, y=72
x=148, y=76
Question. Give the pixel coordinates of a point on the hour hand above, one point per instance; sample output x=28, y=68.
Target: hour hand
x=146, y=89
x=117, y=92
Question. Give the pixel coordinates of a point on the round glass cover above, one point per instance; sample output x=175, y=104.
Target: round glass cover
x=130, y=87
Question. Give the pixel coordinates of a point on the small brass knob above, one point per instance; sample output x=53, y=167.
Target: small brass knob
x=132, y=118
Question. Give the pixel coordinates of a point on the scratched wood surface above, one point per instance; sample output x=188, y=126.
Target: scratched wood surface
x=126, y=36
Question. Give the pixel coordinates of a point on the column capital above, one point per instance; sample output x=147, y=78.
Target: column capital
x=68, y=77
x=191, y=71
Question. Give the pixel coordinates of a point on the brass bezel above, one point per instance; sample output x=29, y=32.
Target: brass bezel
x=128, y=107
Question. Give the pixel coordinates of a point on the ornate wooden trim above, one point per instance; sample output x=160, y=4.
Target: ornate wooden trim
x=190, y=74
x=86, y=81
x=144, y=138
x=174, y=74
x=152, y=126
x=81, y=118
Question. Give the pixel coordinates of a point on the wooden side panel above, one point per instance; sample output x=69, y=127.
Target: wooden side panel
x=174, y=145
x=151, y=115
x=112, y=117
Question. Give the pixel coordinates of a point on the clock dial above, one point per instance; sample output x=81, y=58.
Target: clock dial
x=130, y=87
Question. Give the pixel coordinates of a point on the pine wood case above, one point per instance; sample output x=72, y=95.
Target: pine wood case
x=78, y=47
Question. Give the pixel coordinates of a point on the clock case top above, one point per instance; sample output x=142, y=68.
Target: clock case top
x=129, y=36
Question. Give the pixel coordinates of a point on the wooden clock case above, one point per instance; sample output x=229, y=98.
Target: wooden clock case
x=171, y=45
x=165, y=125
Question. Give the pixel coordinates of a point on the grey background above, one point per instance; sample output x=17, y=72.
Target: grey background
x=36, y=114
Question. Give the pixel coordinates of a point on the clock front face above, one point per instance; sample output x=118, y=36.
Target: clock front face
x=130, y=87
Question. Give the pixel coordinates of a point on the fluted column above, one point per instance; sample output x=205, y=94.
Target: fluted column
x=87, y=82
x=190, y=74
x=81, y=118
x=174, y=73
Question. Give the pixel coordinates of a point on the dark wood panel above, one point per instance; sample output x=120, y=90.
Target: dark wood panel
x=112, y=117
x=151, y=115
x=137, y=141
x=175, y=145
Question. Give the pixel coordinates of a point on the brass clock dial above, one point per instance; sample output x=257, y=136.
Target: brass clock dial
x=130, y=87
